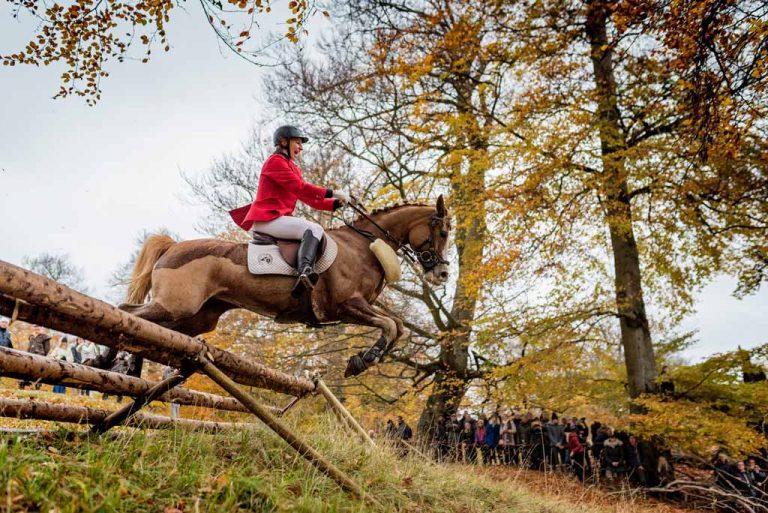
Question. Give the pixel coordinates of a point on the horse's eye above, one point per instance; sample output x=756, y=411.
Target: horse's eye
x=443, y=233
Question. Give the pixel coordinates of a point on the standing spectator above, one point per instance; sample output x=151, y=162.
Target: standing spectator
x=404, y=431
x=634, y=458
x=167, y=373
x=453, y=431
x=578, y=455
x=556, y=441
x=756, y=474
x=538, y=446
x=439, y=439
x=492, y=438
x=480, y=439
x=524, y=438
x=63, y=353
x=121, y=365
x=468, y=443
x=613, y=457
x=89, y=352
x=598, y=439
x=40, y=344
x=665, y=471
x=741, y=480
x=723, y=471
x=507, y=434
x=5, y=335
x=390, y=431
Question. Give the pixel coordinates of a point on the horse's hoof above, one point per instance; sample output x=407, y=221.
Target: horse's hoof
x=356, y=365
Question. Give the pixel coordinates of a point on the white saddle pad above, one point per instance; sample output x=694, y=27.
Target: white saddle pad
x=268, y=260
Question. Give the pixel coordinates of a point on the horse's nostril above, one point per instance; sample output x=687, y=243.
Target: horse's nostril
x=444, y=275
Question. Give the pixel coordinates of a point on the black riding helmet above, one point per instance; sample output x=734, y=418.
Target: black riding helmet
x=289, y=132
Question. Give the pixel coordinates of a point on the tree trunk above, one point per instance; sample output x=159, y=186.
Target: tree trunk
x=452, y=380
x=639, y=356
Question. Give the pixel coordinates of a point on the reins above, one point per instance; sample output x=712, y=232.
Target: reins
x=428, y=259
x=407, y=251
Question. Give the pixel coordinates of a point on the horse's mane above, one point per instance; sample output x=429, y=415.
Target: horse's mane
x=388, y=208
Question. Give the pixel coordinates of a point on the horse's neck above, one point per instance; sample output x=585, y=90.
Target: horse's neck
x=398, y=221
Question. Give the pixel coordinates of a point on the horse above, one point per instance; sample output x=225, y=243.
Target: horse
x=191, y=284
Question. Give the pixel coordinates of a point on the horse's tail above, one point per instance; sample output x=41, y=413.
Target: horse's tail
x=141, y=279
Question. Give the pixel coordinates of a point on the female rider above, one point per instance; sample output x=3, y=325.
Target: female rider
x=280, y=185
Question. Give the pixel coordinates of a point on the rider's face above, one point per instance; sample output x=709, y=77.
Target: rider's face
x=295, y=147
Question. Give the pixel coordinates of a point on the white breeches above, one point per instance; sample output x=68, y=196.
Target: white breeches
x=288, y=227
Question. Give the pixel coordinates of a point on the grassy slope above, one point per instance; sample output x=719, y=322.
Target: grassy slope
x=168, y=472
x=245, y=471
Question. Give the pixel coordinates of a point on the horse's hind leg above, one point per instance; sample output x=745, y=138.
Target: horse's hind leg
x=151, y=311
x=203, y=321
x=358, y=311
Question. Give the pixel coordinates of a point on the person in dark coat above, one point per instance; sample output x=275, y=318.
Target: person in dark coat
x=5, y=335
x=634, y=458
x=742, y=481
x=390, y=430
x=756, y=474
x=613, y=457
x=404, y=431
x=467, y=440
x=538, y=445
x=121, y=365
x=439, y=439
x=39, y=344
x=453, y=434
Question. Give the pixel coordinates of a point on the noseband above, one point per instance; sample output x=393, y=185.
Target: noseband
x=428, y=258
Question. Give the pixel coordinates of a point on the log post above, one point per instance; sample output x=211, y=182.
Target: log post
x=153, y=393
x=342, y=412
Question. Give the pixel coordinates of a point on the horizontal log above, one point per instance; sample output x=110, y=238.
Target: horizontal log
x=31, y=367
x=78, y=314
x=41, y=410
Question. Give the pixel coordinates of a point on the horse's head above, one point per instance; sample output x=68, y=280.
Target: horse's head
x=429, y=240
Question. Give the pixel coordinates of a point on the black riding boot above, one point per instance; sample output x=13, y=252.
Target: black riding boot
x=305, y=263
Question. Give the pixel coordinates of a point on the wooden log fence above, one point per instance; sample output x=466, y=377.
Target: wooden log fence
x=31, y=367
x=78, y=312
x=41, y=410
x=41, y=301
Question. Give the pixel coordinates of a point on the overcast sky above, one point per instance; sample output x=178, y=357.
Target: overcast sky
x=88, y=180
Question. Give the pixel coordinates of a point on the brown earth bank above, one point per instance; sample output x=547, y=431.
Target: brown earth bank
x=569, y=490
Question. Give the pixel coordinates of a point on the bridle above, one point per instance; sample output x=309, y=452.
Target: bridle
x=428, y=258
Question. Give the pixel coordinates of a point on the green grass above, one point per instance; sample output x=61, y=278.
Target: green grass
x=251, y=470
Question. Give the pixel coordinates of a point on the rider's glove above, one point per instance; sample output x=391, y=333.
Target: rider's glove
x=343, y=197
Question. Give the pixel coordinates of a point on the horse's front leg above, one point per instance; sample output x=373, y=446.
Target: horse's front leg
x=358, y=311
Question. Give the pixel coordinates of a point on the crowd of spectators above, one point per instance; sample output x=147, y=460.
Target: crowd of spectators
x=744, y=477
x=592, y=452
x=76, y=350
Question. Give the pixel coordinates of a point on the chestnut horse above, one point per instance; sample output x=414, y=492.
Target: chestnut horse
x=192, y=283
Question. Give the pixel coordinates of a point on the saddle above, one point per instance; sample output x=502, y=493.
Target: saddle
x=270, y=255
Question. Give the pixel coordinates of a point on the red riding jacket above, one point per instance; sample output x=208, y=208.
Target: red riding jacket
x=280, y=185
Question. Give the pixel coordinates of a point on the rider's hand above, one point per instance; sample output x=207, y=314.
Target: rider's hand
x=343, y=197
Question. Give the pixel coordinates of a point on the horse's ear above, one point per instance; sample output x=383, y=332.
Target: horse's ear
x=440, y=206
